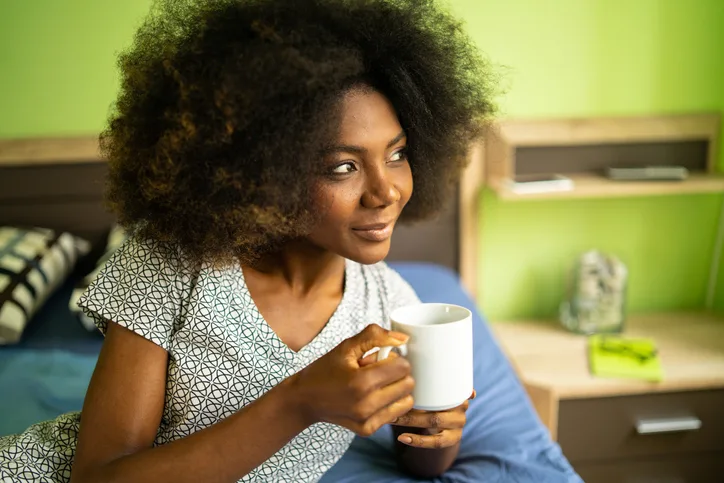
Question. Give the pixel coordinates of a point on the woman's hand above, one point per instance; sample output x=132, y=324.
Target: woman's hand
x=338, y=388
x=442, y=429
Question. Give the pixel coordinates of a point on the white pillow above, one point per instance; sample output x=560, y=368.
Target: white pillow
x=115, y=239
x=33, y=263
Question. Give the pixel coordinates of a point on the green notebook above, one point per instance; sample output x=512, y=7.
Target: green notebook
x=619, y=357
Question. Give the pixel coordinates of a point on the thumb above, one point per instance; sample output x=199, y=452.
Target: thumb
x=373, y=336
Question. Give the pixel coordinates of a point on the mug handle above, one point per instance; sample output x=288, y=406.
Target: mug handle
x=384, y=352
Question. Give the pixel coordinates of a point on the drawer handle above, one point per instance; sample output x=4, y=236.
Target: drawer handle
x=671, y=425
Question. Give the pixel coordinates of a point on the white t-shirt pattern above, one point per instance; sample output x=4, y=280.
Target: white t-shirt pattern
x=222, y=355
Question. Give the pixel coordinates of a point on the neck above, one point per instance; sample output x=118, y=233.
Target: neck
x=300, y=265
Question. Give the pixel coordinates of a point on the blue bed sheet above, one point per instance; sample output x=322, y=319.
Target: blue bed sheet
x=47, y=372
x=36, y=385
x=502, y=442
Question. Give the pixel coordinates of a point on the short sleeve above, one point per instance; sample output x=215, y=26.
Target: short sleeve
x=400, y=293
x=142, y=288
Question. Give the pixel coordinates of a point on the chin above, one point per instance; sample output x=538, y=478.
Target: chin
x=369, y=253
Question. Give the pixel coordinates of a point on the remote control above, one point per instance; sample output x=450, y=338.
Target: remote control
x=652, y=173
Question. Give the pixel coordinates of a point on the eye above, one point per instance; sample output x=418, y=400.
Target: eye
x=344, y=168
x=399, y=155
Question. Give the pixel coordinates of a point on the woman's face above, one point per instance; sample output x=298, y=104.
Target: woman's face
x=366, y=180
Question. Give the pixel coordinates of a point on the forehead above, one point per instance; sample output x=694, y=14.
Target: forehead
x=367, y=118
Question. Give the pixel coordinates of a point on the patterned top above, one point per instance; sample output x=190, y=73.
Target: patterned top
x=222, y=355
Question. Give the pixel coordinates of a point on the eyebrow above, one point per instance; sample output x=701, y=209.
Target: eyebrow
x=359, y=149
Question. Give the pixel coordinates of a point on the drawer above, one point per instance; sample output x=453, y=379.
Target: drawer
x=693, y=468
x=604, y=428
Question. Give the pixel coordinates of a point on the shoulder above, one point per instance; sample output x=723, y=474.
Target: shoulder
x=152, y=253
x=142, y=287
x=145, y=259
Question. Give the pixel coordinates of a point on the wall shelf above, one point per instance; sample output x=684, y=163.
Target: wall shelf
x=593, y=186
x=580, y=149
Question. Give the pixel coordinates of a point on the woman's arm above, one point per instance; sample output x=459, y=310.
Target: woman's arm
x=124, y=406
x=123, y=410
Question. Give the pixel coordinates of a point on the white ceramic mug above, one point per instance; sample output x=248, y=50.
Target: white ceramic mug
x=440, y=351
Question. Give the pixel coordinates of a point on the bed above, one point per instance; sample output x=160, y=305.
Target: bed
x=58, y=184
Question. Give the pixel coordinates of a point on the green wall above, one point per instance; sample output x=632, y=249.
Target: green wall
x=58, y=63
x=555, y=58
x=719, y=294
x=590, y=58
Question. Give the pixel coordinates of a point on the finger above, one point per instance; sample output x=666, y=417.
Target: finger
x=383, y=397
x=475, y=394
x=382, y=417
x=384, y=372
x=372, y=336
x=432, y=420
x=372, y=358
x=444, y=439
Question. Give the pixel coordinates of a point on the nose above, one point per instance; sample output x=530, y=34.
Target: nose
x=380, y=191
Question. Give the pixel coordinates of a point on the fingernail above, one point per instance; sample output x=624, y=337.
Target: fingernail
x=405, y=439
x=394, y=420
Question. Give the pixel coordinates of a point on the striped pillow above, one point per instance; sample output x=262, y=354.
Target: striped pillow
x=33, y=263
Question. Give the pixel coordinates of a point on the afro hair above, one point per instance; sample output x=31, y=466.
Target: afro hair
x=225, y=106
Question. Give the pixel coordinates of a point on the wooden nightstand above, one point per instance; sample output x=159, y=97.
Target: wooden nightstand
x=618, y=430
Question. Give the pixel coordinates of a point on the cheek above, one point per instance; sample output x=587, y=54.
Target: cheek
x=335, y=204
x=405, y=184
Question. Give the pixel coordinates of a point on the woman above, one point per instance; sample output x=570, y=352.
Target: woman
x=261, y=153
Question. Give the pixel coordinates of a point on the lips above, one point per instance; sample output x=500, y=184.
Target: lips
x=374, y=232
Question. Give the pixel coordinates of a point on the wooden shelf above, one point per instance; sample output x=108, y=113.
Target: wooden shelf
x=70, y=150
x=581, y=148
x=593, y=186
x=547, y=358
x=603, y=130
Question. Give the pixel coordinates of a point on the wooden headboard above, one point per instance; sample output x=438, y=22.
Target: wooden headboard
x=54, y=184
x=59, y=183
